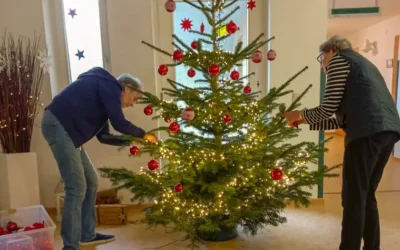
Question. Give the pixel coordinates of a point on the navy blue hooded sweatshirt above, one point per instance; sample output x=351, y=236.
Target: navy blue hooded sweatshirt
x=85, y=106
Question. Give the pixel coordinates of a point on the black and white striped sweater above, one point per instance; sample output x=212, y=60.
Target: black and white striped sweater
x=320, y=118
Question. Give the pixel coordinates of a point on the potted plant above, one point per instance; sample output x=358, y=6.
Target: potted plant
x=22, y=68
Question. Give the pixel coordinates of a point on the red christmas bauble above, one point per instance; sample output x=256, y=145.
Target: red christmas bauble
x=1, y=231
x=167, y=120
x=38, y=225
x=271, y=55
x=170, y=6
x=134, y=150
x=227, y=118
x=174, y=127
x=191, y=73
x=187, y=114
x=277, y=174
x=247, y=90
x=256, y=57
x=152, y=165
x=30, y=228
x=148, y=110
x=47, y=245
x=213, y=70
x=231, y=27
x=178, y=188
x=194, y=45
x=12, y=226
x=177, y=55
x=235, y=75
x=163, y=69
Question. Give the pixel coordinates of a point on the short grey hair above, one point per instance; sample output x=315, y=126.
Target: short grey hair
x=129, y=81
x=336, y=43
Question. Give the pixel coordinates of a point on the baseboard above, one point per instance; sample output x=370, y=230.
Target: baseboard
x=141, y=207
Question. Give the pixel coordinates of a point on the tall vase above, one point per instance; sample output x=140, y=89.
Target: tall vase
x=19, y=180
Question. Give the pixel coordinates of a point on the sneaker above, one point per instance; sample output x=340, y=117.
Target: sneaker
x=99, y=239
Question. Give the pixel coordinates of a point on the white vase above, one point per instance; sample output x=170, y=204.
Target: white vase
x=19, y=180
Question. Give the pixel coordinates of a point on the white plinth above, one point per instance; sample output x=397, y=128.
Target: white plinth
x=19, y=180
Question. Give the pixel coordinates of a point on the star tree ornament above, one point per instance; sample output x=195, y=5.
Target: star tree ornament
x=251, y=4
x=170, y=6
x=186, y=24
x=44, y=60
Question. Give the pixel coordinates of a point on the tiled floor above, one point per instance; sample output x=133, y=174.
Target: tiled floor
x=314, y=228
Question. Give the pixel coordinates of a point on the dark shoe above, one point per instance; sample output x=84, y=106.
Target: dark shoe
x=99, y=239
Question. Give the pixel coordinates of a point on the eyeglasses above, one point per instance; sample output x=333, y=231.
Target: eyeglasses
x=320, y=58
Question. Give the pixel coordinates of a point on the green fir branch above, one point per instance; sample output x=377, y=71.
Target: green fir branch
x=158, y=49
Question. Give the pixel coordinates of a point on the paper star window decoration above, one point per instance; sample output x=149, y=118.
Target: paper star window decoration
x=186, y=24
x=80, y=54
x=72, y=13
x=251, y=4
x=44, y=60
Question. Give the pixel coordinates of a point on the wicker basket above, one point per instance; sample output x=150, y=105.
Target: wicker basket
x=113, y=214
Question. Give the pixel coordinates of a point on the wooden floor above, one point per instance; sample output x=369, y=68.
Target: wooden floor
x=314, y=228
x=390, y=179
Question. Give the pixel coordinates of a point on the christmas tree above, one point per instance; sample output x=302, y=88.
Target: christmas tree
x=238, y=168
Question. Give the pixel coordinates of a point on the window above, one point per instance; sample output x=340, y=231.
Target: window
x=184, y=10
x=83, y=35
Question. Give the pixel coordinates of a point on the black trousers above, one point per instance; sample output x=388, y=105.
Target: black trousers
x=364, y=162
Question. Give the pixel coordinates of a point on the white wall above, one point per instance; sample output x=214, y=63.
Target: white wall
x=384, y=33
x=299, y=27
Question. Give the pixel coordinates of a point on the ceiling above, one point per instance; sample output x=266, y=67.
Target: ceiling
x=348, y=25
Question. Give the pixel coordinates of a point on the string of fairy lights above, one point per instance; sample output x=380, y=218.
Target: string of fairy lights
x=251, y=185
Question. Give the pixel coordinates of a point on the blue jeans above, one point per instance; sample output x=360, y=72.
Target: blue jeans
x=80, y=178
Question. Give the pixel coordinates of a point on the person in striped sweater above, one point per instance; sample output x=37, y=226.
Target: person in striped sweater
x=357, y=95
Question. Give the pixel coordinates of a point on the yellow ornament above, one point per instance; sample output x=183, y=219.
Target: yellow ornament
x=151, y=138
x=221, y=31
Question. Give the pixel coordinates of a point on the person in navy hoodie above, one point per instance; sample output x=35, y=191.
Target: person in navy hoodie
x=77, y=114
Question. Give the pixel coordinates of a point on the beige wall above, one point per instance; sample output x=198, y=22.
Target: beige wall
x=130, y=22
x=384, y=33
x=299, y=27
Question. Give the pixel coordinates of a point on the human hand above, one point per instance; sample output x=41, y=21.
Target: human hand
x=292, y=117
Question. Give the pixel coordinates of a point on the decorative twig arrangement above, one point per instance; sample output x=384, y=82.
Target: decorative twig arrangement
x=22, y=67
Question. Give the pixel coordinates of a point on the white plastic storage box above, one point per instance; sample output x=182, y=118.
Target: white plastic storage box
x=37, y=239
